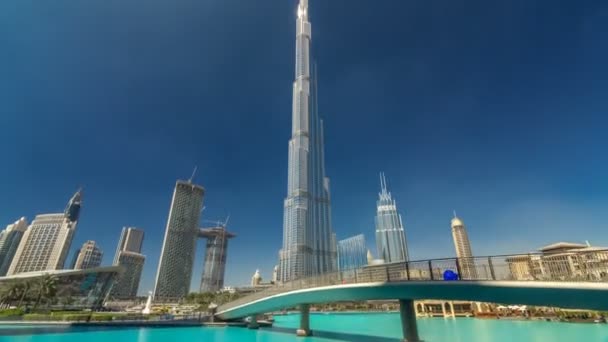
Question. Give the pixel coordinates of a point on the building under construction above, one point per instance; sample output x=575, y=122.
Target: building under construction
x=215, y=257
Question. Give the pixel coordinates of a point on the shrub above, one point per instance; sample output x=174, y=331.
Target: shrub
x=101, y=318
x=61, y=313
x=76, y=317
x=37, y=317
x=11, y=312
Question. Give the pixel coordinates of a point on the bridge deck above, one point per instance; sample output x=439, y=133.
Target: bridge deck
x=517, y=279
x=592, y=296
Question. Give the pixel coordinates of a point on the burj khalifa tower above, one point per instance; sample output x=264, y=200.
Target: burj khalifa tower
x=309, y=245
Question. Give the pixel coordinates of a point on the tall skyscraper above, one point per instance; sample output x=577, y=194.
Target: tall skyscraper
x=463, y=249
x=216, y=252
x=390, y=235
x=9, y=242
x=46, y=242
x=89, y=256
x=128, y=255
x=307, y=235
x=352, y=253
x=131, y=240
x=179, y=245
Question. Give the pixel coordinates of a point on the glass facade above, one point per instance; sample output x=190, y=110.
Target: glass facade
x=352, y=253
x=390, y=235
x=128, y=255
x=127, y=284
x=179, y=245
x=75, y=288
x=308, y=248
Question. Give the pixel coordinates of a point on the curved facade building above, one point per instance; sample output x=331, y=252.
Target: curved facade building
x=462, y=245
x=89, y=256
x=86, y=289
x=308, y=243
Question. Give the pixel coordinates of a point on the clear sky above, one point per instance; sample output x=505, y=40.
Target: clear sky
x=497, y=109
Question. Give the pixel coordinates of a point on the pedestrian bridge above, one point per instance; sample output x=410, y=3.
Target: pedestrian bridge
x=574, y=281
x=592, y=296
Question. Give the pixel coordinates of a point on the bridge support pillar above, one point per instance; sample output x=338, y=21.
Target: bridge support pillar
x=408, y=320
x=304, y=329
x=253, y=322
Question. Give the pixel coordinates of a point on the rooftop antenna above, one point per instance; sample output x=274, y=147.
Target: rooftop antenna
x=193, y=174
x=455, y=216
x=226, y=221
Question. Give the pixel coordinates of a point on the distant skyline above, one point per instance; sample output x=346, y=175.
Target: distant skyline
x=494, y=109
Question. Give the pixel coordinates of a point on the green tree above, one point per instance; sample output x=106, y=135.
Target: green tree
x=25, y=287
x=6, y=296
x=46, y=289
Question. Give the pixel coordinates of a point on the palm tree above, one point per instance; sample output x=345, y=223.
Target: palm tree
x=23, y=289
x=10, y=293
x=5, y=297
x=47, y=289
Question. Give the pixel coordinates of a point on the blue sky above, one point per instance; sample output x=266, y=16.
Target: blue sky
x=496, y=109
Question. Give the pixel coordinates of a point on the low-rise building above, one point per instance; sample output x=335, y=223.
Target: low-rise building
x=85, y=289
x=561, y=261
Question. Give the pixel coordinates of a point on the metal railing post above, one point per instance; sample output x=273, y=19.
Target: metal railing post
x=491, y=268
x=531, y=267
x=355, y=276
x=431, y=270
x=388, y=274
x=407, y=270
x=458, y=270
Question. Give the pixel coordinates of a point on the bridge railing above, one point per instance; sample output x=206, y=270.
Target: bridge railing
x=587, y=264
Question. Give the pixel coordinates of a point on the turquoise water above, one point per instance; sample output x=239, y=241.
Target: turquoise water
x=162, y=335
x=355, y=327
x=454, y=330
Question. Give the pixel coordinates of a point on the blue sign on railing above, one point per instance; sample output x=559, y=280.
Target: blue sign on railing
x=450, y=275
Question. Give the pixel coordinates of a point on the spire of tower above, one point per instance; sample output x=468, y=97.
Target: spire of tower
x=303, y=9
x=193, y=174
x=383, y=186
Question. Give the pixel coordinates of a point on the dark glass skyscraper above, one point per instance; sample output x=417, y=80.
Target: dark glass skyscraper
x=179, y=245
